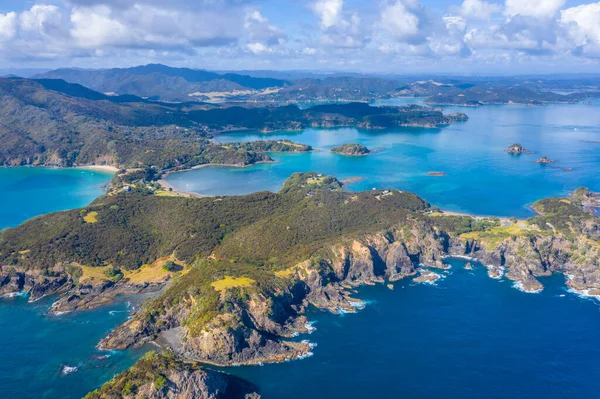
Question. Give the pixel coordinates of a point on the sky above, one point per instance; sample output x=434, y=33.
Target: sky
x=371, y=36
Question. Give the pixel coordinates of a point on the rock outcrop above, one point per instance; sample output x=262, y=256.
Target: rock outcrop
x=517, y=149
x=161, y=376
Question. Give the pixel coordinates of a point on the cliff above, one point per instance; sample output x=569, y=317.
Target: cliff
x=161, y=376
x=248, y=267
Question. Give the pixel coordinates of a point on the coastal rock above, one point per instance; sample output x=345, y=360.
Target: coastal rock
x=517, y=149
x=161, y=376
x=427, y=277
x=545, y=160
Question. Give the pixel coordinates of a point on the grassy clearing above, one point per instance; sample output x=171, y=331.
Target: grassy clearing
x=164, y=193
x=150, y=273
x=91, y=217
x=287, y=273
x=316, y=180
x=232, y=282
x=496, y=235
x=93, y=275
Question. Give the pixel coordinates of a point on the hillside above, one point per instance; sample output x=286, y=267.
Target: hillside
x=240, y=271
x=53, y=123
x=160, y=82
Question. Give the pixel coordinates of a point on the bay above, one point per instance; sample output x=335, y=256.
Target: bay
x=481, y=178
x=29, y=192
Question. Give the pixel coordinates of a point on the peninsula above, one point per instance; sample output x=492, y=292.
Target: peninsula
x=236, y=274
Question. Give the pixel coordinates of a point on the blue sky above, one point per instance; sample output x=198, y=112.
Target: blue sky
x=384, y=36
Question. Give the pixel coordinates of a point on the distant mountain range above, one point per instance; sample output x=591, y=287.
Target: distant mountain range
x=167, y=84
x=160, y=82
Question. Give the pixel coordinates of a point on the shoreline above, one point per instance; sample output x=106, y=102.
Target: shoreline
x=166, y=185
x=100, y=168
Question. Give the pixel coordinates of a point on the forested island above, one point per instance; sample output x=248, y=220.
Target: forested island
x=233, y=277
x=351, y=149
x=236, y=274
x=54, y=123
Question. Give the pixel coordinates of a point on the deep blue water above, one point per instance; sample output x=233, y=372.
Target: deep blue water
x=468, y=337
x=28, y=192
x=481, y=177
x=35, y=348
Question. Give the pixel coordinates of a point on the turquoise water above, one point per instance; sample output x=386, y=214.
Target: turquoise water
x=481, y=178
x=35, y=348
x=28, y=192
x=468, y=337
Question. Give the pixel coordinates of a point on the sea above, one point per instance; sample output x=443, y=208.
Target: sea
x=467, y=336
x=481, y=178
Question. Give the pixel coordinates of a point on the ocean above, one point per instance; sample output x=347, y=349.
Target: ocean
x=468, y=336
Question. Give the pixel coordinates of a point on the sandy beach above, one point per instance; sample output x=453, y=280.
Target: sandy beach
x=102, y=168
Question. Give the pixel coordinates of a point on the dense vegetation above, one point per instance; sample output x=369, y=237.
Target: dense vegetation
x=132, y=229
x=60, y=124
x=351, y=149
x=151, y=374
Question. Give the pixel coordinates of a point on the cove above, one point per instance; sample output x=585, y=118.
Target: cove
x=480, y=177
x=28, y=192
x=467, y=337
x=55, y=356
x=37, y=351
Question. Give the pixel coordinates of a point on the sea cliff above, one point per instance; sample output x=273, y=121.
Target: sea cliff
x=244, y=270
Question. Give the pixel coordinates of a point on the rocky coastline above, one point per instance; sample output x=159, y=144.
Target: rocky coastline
x=255, y=319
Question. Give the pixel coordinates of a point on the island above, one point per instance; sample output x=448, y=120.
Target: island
x=351, y=149
x=545, y=160
x=517, y=149
x=55, y=123
x=234, y=276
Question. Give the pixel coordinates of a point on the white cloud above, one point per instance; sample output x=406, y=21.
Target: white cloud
x=329, y=12
x=533, y=8
x=95, y=27
x=478, y=9
x=583, y=26
x=399, y=21
x=261, y=31
x=8, y=25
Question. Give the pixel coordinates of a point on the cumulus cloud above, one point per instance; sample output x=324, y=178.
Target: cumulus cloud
x=340, y=32
x=262, y=36
x=410, y=28
x=401, y=21
x=48, y=31
x=533, y=8
x=329, y=12
x=583, y=26
x=340, y=27
x=478, y=9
